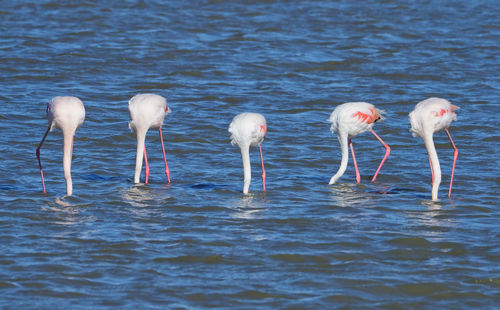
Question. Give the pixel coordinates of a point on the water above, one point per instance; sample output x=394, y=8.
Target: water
x=199, y=242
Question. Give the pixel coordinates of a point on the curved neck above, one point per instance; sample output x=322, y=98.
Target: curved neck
x=247, y=171
x=436, y=168
x=345, y=157
x=67, y=156
x=141, y=138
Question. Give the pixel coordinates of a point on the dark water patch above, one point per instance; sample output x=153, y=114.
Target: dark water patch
x=427, y=289
x=7, y=285
x=188, y=259
x=208, y=186
x=43, y=292
x=411, y=242
x=294, y=258
x=97, y=177
x=492, y=282
x=7, y=187
x=343, y=299
x=389, y=191
x=255, y=295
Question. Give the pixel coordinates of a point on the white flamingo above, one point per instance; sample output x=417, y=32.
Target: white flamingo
x=249, y=129
x=147, y=111
x=66, y=113
x=348, y=120
x=428, y=117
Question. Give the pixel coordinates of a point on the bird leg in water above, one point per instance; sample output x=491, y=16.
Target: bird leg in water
x=38, y=157
x=358, y=178
x=455, y=155
x=387, y=152
x=263, y=170
x=147, y=165
x=167, y=172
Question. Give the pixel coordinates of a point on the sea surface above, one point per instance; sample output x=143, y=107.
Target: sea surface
x=199, y=242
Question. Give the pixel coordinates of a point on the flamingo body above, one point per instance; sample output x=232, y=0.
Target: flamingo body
x=147, y=111
x=428, y=117
x=353, y=118
x=348, y=120
x=248, y=129
x=66, y=113
x=431, y=115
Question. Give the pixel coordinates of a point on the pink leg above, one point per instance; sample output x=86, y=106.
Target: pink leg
x=147, y=165
x=358, y=178
x=455, y=155
x=38, y=157
x=387, y=152
x=167, y=172
x=263, y=170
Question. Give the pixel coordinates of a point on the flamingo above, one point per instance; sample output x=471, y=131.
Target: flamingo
x=66, y=113
x=249, y=129
x=350, y=119
x=428, y=117
x=147, y=111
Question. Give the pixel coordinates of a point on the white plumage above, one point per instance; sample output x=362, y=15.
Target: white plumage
x=348, y=120
x=428, y=117
x=66, y=113
x=342, y=119
x=431, y=115
x=248, y=129
x=147, y=111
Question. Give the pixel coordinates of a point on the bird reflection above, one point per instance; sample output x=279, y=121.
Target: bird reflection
x=139, y=196
x=435, y=216
x=59, y=205
x=250, y=206
x=64, y=212
x=349, y=195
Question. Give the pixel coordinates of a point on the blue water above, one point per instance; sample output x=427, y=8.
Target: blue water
x=199, y=242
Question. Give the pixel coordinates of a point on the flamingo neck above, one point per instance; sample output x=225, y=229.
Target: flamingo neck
x=141, y=138
x=436, y=168
x=345, y=157
x=67, y=156
x=247, y=171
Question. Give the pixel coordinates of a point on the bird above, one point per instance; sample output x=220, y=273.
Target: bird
x=147, y=111
x=348, y=120
x=66, y=113
x=430, y=116
x=249, y=129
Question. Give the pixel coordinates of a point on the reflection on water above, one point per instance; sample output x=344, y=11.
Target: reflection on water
x=64, y=212
x=432, y=205
x=434, y=216
x=139, y=195
x=350, y=195
x=250, y=206
x=247, y=208
x=61, y=204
